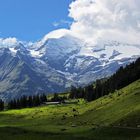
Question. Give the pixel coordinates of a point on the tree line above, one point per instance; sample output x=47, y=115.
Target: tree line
x=57, y=98
x=123, y=77
x=27, y=101
x=33, y=101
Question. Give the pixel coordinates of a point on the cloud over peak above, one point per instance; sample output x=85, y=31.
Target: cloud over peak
x=8, y=42
x=106, y=19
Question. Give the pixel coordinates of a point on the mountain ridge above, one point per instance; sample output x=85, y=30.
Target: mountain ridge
x=59, y=62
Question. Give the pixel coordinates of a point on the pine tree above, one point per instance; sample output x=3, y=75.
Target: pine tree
x=43, y=98
x=30, y=101
x=1, y=105
x=73, y=92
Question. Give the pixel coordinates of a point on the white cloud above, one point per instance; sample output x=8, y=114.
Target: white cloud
x=56, y=24
x=57, y=33
x=8, y=42
x=54, y=34
x=106, y=19
x=61, y=23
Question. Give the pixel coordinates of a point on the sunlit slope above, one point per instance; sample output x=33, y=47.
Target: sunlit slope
x=117, y=112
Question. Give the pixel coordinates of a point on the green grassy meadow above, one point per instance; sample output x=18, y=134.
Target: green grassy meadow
x=112, y=117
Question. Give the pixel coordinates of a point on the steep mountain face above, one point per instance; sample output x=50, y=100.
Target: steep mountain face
x=21, y=74
x=55, y=63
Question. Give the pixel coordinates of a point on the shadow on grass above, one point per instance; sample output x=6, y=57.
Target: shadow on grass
x=15, y=133
x=108, y=133
x=112, y=133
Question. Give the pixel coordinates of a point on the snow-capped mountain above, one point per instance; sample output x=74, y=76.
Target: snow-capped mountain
x=58, y=61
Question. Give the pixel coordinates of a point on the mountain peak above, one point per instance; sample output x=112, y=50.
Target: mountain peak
x=58, y=61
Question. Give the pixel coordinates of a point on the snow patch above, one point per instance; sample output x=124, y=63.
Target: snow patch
x=35, y=53
x=13, y=50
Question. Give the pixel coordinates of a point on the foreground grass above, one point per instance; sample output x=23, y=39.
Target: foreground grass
x=115, y=117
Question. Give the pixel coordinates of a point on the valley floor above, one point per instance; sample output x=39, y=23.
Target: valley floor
x=113, y=117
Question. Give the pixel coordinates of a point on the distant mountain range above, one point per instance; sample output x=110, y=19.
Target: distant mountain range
x=53, y=64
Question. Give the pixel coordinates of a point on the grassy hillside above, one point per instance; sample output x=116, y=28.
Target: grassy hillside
x=113, y=117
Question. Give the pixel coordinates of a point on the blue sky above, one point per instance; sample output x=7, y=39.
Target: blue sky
x=30, y=20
